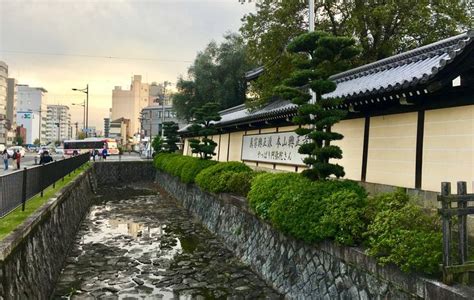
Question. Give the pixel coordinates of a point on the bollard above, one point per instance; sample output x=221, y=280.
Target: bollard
x=23, y=192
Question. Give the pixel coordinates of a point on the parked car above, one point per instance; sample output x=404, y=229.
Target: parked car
x=59, y=150
x=13, y=149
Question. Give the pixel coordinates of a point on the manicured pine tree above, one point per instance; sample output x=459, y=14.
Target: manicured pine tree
x=317, y=56
x=171, y=137
x=202, y=126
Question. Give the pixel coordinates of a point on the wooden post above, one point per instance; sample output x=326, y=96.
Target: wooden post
x=462, y=228
x=445, y=204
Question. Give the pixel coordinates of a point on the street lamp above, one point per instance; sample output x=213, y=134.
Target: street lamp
x=83, y=104
x=85, y=91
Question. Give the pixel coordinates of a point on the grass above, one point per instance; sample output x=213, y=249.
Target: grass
x=16, y=217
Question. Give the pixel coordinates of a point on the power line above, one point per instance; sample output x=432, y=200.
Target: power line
x=94, y=56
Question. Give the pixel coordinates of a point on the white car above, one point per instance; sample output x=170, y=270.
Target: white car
x=13, y=149
x=59, y=150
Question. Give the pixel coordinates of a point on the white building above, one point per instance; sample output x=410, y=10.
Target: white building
x=58, y=124
x=30, y=121
x=128, y=104
x=33, y=99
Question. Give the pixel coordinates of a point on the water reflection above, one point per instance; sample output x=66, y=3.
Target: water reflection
x=145, y=246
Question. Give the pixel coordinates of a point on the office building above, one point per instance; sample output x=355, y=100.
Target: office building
x=30, y=121
x=153, y=116
x=128, y=104
x=58, y=123
x=33, y=99
x=106, y=127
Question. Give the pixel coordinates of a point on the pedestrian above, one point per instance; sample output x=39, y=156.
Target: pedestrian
x=5, y=159
x=104, y=153
x=93, y=154
x=18, y=159
x=75, y=153
x=46, y=158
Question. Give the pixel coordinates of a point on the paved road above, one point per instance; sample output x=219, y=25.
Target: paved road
x=29, y=161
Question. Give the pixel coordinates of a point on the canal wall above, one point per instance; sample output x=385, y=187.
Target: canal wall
x=32, y=256
x=297, y=269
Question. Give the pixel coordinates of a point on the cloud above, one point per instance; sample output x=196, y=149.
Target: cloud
x=160, y=30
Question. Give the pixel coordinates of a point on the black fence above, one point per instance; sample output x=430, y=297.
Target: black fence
x=16, y=188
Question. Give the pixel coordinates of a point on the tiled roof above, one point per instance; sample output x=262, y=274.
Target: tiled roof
x=396, y=73
x=401, y=71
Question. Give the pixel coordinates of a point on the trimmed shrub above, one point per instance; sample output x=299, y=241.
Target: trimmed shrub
x=161, y=159
x=176, y=164
x=267, y=187
x=404, y=234
x=239, y=183
x=308, y=211
x=344, y=218
x=192, y=168
x=214, y=179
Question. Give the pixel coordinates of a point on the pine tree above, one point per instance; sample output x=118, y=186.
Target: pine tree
x=317, y=56
x=202, y=126
x=171, y=137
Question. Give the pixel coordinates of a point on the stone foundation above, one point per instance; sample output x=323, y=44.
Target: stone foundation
x=32, y=256
x=297, y=269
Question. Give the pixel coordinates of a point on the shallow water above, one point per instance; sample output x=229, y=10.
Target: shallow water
x=138, y=243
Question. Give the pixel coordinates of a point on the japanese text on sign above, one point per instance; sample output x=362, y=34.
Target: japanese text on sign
x=279, y=147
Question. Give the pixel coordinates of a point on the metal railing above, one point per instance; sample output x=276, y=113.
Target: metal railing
x=18, y=187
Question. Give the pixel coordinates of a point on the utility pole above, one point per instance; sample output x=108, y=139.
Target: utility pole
x=85, y=91
x=165, y=84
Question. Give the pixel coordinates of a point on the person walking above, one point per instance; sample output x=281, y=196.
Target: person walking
x=18, y=159
x=104, y=153
x=5, y=159
x=46, y=158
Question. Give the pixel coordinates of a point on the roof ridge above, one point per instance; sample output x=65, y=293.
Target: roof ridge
x=395, y=60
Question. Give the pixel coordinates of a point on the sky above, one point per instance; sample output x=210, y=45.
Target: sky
x=65, y=44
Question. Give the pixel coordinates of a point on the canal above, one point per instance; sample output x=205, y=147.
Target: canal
x=139, y=243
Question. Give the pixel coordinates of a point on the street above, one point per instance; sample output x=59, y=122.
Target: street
x=29, y=160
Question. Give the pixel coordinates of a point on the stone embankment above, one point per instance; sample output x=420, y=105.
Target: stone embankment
x=296, y=269
x=32, y=257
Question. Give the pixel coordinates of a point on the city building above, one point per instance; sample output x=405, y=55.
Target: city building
x=128, y=104
x=3, y=103
x=120, y=130
x=409, y=123
x=29, y=120
x=11, y=101
x=21, y=132
x=91, y=131
x=152, y=118
x=158, y=93
x=106, y=127
x=58, y=123
x=33, y=99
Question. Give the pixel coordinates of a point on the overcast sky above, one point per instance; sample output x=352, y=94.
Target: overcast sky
x=157, y=39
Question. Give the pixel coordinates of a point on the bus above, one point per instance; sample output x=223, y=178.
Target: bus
x=87, y=144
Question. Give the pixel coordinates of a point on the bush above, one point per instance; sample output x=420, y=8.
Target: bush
x=344, y=218
x=404, y=234
x=176, y=164
x=239, y=183
x=192, y=168
x=162, y=159
x=214, y=179
x=267, y=187
x=317, y=211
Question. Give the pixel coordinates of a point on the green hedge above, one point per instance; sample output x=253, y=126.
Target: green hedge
x=214, y=179
x=321, y=210
x=184, y=167
x=390, y=225
x=404, y=234
x=267, y=187
x=192, y=169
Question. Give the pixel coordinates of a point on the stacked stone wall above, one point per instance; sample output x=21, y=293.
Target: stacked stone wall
x=297, y=269
x=32, y=256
